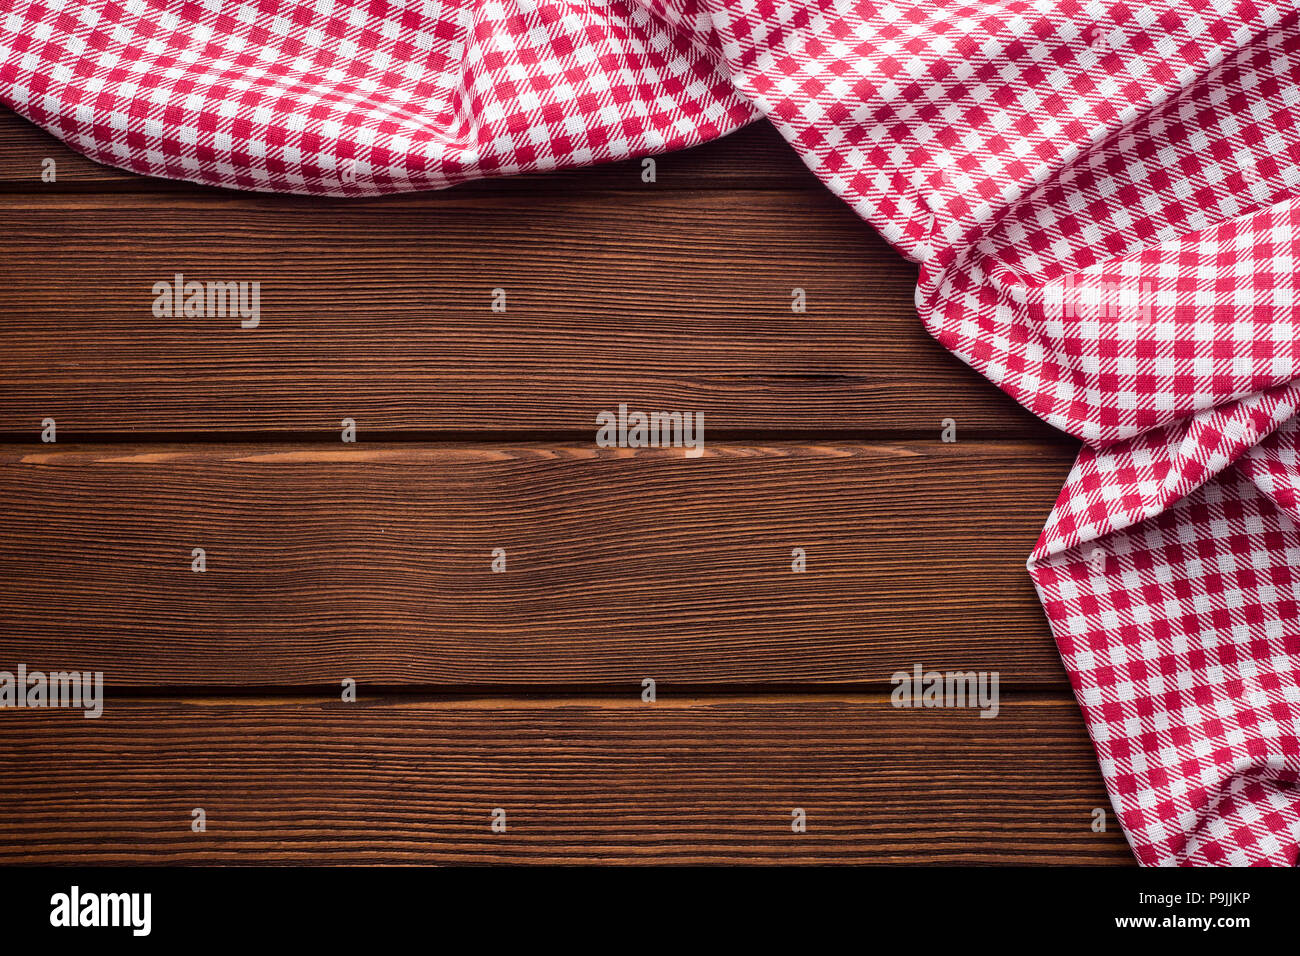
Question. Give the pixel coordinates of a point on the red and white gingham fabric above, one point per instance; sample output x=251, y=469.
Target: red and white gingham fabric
x=1103, y=197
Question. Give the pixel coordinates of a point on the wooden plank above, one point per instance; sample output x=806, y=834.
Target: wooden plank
x=381, y=311
x=580, y=780
x=326, y=561
x=755, y=157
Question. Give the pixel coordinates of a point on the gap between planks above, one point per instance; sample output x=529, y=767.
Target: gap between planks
x=544, y=695
x=971, y=437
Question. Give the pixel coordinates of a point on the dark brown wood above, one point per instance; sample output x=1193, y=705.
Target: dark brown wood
x=755, y=157
x=375, y=562
x=381, y=311
x=587, y=780
x=372, y=561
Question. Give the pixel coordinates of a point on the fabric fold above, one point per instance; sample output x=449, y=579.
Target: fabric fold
x=356, y=98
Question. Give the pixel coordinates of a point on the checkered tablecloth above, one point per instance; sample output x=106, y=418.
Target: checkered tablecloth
x=1103, y=198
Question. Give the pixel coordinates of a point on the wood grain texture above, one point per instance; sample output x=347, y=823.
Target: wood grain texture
x=374, y=562
x=380, y=311
x=755, y=157
x=592, y=780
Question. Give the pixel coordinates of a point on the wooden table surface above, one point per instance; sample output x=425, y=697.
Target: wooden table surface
x=372, y=561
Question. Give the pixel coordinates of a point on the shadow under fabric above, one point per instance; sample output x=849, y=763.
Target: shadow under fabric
x=1103, y=198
